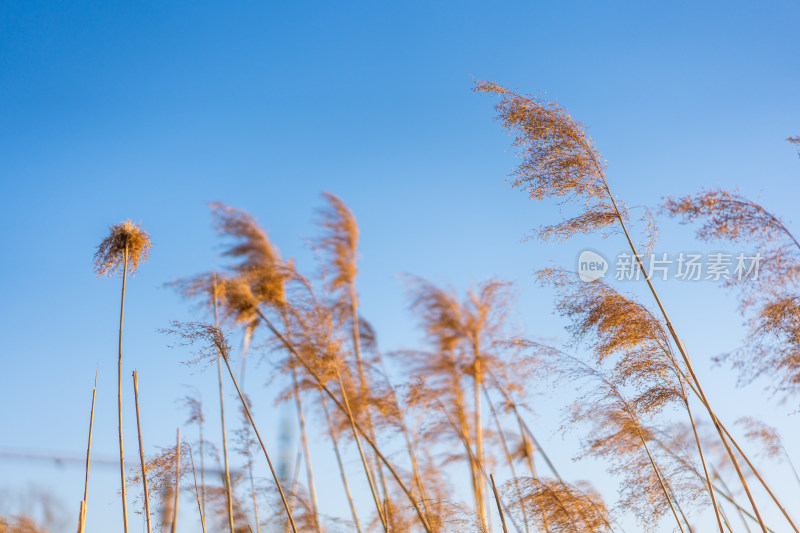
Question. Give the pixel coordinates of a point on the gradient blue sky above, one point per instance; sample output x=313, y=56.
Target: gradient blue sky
x=151, y=110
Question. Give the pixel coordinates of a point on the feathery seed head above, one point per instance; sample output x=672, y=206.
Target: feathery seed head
x=260, y=263
x=340, y=240
x=768, y=436
x=125, y=242
x=559, y=160
x=557, y=505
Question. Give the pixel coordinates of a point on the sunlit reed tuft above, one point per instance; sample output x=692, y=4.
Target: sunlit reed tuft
x=126, y=242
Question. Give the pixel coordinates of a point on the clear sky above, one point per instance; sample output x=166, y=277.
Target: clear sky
x=151, y=110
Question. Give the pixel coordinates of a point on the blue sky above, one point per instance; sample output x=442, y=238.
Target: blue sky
x=152, y=110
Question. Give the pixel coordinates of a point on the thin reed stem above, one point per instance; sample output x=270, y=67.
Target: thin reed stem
x=177, y=482
x=197, y=491
x=660, y=479
x=676, y=339
x=510, y=460
x=335, y=442
x=364, y=462
x=482, y=472
x=703, y=461
x=478, y=377
x=82, y=518
x=409, y=445
x=500, y=505
x=342, y=408
x=228, y=493
x=758, y=476
x=245, y=345
x=722, y=429
x=301, y=420
x=293, y=491
x=260, y=441
x=202, y=468
x=356, y=336
x=253, y=494
x=141, y=451
x=119, y=391
x=741, y=509
x=728, y=490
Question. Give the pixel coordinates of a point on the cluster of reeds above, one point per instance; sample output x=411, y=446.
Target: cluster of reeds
x=411, y=425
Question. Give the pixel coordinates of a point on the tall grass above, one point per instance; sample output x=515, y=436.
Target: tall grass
x=456, y=411
x=126, y=246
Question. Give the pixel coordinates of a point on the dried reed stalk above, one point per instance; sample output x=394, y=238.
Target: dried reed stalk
x=119, y=395
x=407, y=438
x=177, y=481
x=562, y=161
x=82, y=517
x=341, y=243
x=353, y=422
x=478, y=376
x=258, y=436
x=228, y=494
x=293, y=490
x=301, y=419
x=126, y=246
x=248, y=332
x=500, y=506
x=364, y=462
x=758, y=476
x=510, y=460
x=141, y=451
x=197, y=492
x=335, y=443
x=481, y=471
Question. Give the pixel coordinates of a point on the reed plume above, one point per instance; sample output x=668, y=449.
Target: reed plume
x=339, y=246
x=125, y=248
x=771, y=292
x=772, y=338
x=769, y=439
x=624, y=333
x=260, y=278
x=794, y=140
x=209, y=289
x=443, y=393
x=257, y=259
x=195, y=407
x=730, y=216
x=20, y=524
x=470, y=341
x=322, y=370
x=211, y=343
x=160, y=471
x=619, y=436
x=560, y=160
x=564, y=507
